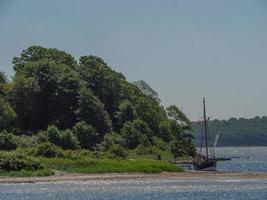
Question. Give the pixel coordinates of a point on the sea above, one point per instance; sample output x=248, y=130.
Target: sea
x=244, y=159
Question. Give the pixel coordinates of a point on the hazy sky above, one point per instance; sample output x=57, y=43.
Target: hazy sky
x=184, y=49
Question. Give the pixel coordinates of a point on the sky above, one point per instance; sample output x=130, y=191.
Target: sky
x=184, y=49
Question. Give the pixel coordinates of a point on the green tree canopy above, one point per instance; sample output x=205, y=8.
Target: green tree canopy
x=86, y=102
x=37, y=53
x=86, y=134
x=7, y=114
x=135, y=133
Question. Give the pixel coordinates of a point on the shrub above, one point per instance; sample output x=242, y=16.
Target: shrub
x=142, y=150
x=48, y=150
x=54, y=134
x=158, y=142
x=145, y=150
x=86, y=134
x=26, y=141
x=117, y=151
x=65, y=139
x=42, y=137
x=7, y=141
x=13, y=161
x=68, y=140
x=109, y=140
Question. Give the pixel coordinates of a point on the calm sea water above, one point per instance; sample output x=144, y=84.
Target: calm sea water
x=251, y=159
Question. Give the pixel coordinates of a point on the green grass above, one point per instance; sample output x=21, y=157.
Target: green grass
x=85, y=162
x=26, y=173
x=88, y=165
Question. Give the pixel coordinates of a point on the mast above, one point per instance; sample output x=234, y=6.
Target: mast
x=205, y=129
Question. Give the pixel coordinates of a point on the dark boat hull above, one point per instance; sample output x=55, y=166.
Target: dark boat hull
x=205, y=165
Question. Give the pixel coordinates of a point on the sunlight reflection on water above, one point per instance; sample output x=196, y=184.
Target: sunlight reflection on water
x=133, y=189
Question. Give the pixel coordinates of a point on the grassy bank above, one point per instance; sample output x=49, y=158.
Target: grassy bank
x=108, y=165
x=38, y=161
x=27, y=173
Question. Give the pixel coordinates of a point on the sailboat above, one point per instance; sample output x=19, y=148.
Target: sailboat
x=205, y=159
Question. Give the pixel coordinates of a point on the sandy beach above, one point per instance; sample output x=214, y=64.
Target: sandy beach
x=62, y=176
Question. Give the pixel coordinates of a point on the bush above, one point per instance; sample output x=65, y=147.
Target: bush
x=109, y=140
x=7, y=141
x=42, y=137
x=54, y=135
x=68, y=140
x=117, y=151
x=26, y=141
x=13, y=161
x=48, y=150
x=86, y=134
x=158, y=142
x=142, y=150
x=64, y=139
x=145, y=150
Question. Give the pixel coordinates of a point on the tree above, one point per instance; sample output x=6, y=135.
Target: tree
x=50, y=87
x=3, y=82
x=176, y=114
x=111, y=139
x=102, y=80
x=43, y=93
x=7, y=141
x=136, y=132
x=7, y=114
x=165, y=131
x=86, y=135
x=150, y=112
x=126, y=113
x=177, y=148
x=147, y=90
x=92, y=111
x=37, y=53
x=3, y=78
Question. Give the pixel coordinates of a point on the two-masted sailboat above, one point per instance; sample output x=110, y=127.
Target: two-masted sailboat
x=205, y=159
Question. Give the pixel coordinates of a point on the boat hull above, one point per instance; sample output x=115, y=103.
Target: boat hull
x=206, y=165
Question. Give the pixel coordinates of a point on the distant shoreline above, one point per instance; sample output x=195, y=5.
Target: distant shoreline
x=238, y=146
x=62, y=176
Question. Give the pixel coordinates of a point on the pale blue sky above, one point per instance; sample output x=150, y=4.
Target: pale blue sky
x=184, y=49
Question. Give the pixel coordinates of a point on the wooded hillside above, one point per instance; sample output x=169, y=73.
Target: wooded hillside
x=236, y=132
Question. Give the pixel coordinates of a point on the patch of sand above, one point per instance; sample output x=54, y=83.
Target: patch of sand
x=62, y=176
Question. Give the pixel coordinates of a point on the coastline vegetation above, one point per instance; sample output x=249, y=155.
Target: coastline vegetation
x=57, y=113
x=236, y=132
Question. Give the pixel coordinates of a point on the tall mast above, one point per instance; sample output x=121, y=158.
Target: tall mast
x=205, y=129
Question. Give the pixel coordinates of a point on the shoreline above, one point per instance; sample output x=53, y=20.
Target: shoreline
x=62, y=176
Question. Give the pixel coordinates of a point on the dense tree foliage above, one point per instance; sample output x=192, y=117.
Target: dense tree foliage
x=86, y=134
x=7, y=141
x=7, y=114
x=236, y=132
x=85, y=105
x=146, y=89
